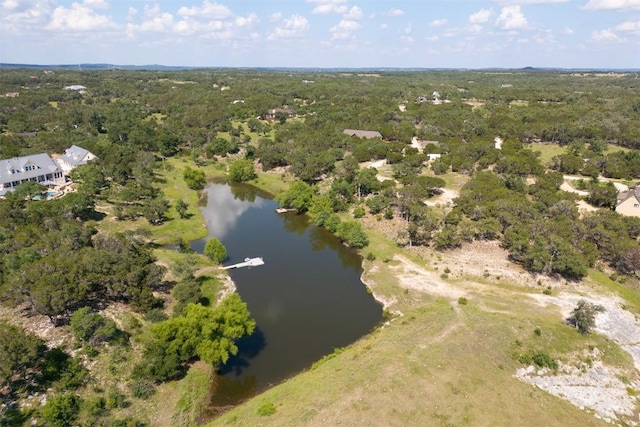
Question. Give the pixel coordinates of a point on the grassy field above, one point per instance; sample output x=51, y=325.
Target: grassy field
x=436, y=365
x=549, y=151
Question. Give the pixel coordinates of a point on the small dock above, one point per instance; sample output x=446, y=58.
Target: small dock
x=283, y=210
x=248, y=262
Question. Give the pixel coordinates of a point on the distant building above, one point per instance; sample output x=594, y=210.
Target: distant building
x=12, y=94
x=75, y=87
x=628, y=202
x=363, y=133
x=271, y=114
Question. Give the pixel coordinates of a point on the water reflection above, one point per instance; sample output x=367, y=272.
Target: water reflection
x=307, y=299
x=225, y=207
x=248, y=348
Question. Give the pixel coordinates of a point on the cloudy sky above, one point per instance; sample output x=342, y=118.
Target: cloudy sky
x=323, y=33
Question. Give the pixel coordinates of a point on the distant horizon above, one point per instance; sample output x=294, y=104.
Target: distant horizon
x=155, y=67
x=324, y=34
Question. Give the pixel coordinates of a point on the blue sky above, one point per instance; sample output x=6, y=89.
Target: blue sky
x=324, y=33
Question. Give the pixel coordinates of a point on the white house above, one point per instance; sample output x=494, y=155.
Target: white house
x=73, y=157
x=36, y=167
x=41, y=168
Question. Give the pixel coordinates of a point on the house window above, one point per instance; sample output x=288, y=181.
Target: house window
x=636, y=205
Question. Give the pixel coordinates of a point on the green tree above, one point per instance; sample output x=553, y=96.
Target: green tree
x=92, y=327
x=61, y=410
x=20, y=355
x=583, y=316
x=603, y=195
x=182, y=208
x=215, y=250
x=298, y=196
x=195, y=178
x=242, y=170
x=351, y=233
x=29, y=189
x=154, y=209
x=199, y=332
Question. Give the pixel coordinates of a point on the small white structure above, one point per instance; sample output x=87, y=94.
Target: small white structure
x=248, y=262
x=498, y=143
x=75, y=87
x=73, y=157
x=433, y=156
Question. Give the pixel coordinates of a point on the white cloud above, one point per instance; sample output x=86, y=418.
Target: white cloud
x=354, y=14
x=432, y=38
x=275, y=17
x=156, y=21
x=480, y=17
x=80, y=17
x=567, y=31
x=296, y=26
x=383, y=27
x=344, y=30
x=131, y=13
x=438, y=23
x=407, y=29
x=612, y=4
x=407, y=39
x=605, y=36
x=329, y=6
x=511, y=18
x=25, y=15
x=207, y=11
x=394, y=12
x=96, y=4
x=629, y=26
x=248, y=22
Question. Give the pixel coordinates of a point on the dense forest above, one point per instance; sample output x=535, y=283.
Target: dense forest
x=57, y=262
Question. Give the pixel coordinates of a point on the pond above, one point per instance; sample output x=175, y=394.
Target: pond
x=307, y=299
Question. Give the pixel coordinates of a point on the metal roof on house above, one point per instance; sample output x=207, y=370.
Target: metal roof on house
x=75, y=156
x=26, y=167
x=363, y=133
x=633, y=192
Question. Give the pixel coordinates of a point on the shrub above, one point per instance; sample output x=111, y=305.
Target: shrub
x=358, y=212
x=371, y=256
x=142, y=388
x=540, y=358
x=195, y=178
x=462, y=301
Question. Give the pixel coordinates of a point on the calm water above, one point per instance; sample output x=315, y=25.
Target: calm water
x=307, y=299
